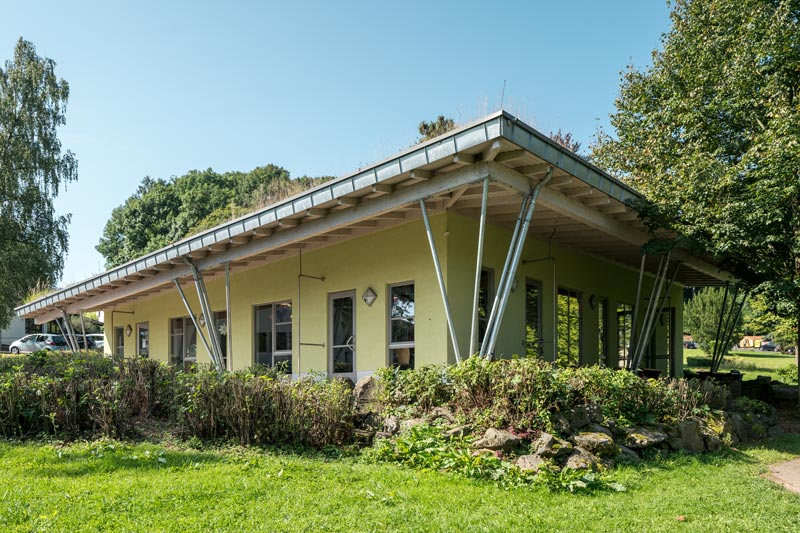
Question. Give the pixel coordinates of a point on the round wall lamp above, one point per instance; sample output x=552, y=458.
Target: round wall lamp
x=128, y=330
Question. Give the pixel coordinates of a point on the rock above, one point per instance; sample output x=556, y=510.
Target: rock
x=578, y=418
x=626, y=455
x=739, y=427
x=370, y=421
x=782, y=392
x=640, y=438
x=560, y=424
x=497, y=439
x=483, y=451
x=596, y=443
x=364, y=394
x=529, y=463
x=382, y=435
x=363, y=435
x=713, y=443
x=391, y=424
x=551, y=447
x=690, y=436
x=595, y=413
x=406, y=425
x=582, y=460
x=597, y=428
x=443, y=412
x=458, y=432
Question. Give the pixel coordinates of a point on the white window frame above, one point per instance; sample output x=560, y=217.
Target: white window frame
x=275, y=324
x=399, y=345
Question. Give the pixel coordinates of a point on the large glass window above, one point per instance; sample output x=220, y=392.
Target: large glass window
x=401, y=325
x=569, y=327
x=533, y=318
x=624, y=326
x=143, y=339
x=182, y=341
x=119, y=341
x=221, y=326
x=485, y=301
x=273, y=331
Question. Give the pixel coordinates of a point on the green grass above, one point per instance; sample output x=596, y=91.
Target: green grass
x=147, y=487
x=766, y=363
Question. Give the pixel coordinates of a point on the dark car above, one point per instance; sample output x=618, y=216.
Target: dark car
x=767, y=346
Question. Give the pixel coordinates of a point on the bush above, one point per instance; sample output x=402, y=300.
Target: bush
x=528, y=393
x=71, y=394
x=788, y=374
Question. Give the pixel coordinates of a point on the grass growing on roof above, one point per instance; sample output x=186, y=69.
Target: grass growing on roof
x=111, y=486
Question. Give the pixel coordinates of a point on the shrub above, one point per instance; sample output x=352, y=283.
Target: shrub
x=788, y=374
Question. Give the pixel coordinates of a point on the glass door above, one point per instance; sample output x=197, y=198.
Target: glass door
x=342, y=335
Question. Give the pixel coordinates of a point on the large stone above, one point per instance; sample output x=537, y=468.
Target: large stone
x=582, y=460
x=739, y=427
x=578, y=417
x=406, y=425
x=364, y=394
x=391, y=424
x=458, y=432
x=529, y=463
x=443, y=413
x=784, y=392
x=497, y=439
x=640, y=438
x=597, y=443
x=626, y=455
x=551, y=447
x=690, y=436
x=597, y=428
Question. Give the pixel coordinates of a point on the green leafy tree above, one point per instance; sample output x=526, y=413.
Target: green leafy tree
x=33, y=168
x=711, y=134
x=701, y=318
x=161, y=212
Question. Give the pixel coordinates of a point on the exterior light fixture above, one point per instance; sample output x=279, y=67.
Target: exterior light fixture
x=128, y=330
x=369, y=296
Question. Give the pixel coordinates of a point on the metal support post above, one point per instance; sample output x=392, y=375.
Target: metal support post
x=191, y=315
x=228, y=337
x=648, y=311
x=439, y=277
x=63, y=334
x=635, y=316
x=473, y=333
x=506, y=266
x=83, y=331
x=73, y=341
x=520, y=245
x=202, y=296
x=649, y=332
x=719, y=323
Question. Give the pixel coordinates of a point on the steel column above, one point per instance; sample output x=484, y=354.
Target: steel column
x=635, y=316
x=520, y=245
x=73, y=341
x=663, y=300
x=473, y=333
x=647, y=312
x=439, y=277
x=62, y=332
x=652, y=307
x=83, y=331
x=191, y=315
x=202, y=296
x=506, y=266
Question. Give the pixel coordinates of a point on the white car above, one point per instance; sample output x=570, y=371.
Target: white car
x=39, y=341
x=99, y=340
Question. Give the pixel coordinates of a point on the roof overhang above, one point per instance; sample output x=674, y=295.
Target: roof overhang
x=581, y=207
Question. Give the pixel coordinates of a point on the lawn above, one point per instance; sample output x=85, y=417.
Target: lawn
x=754, y=363
x=148, y=487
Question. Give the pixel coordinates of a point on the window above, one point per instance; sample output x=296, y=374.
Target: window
x=119, y=341
x=182, y=341
x=221, y=325
x=624, y=323
x=485, y=300
x=602, y=330
x=569, y=327
x=273, y=331
x=31, y=327
x=143, y=339
x=401, y=325
x=533, y=318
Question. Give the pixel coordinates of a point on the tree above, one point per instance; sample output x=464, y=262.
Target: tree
x=33, y=239
x=161, y=212
x=434, y=128
x=710, y=133
x=701, y=318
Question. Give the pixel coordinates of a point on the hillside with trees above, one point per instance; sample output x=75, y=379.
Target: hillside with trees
x=161, y=211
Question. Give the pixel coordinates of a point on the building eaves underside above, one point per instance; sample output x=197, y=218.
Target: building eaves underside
x=581, y=208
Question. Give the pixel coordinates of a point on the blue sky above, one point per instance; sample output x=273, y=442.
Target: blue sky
x=159, y=88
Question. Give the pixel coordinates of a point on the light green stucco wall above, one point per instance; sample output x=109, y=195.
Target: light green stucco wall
x=395, y=255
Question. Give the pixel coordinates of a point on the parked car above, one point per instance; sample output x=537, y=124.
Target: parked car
x=767, y=346
x=99, y=340
x=39, y=341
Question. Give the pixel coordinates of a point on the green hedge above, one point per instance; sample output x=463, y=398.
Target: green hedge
x=77, y=394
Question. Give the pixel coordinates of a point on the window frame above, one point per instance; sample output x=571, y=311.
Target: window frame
x=539, y=285
x=390, y=345
x=119, y=347
x=490, y=295
x=142, y=326
x=578, y=295
x=622, y=362
x=274, y=351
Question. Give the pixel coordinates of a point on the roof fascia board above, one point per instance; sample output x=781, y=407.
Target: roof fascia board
x=413, y=193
